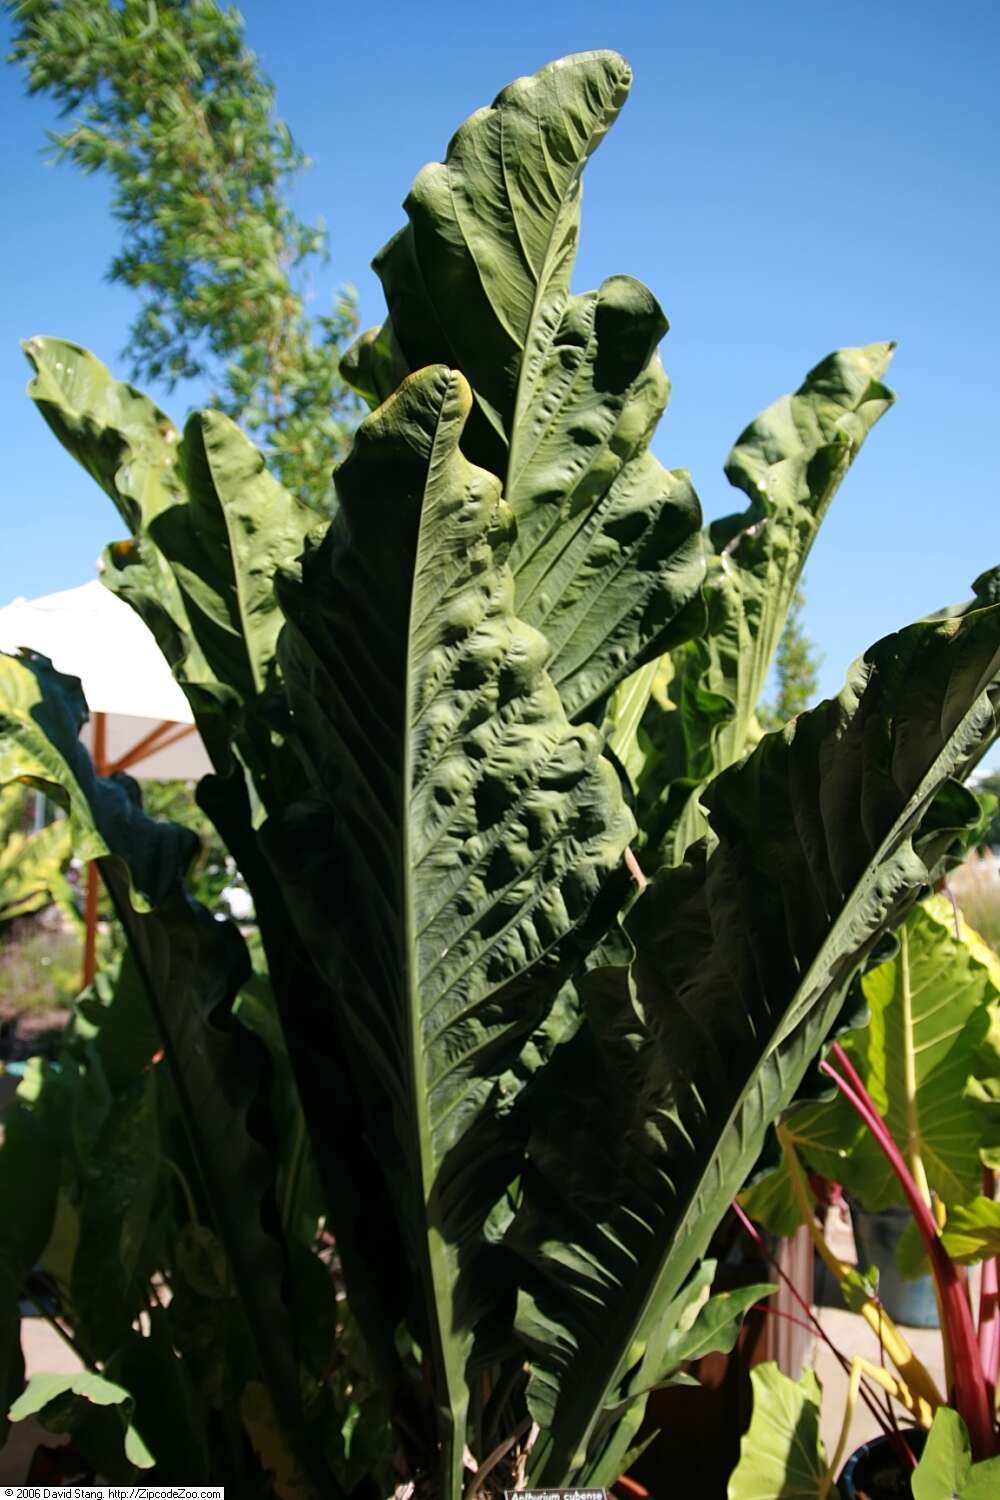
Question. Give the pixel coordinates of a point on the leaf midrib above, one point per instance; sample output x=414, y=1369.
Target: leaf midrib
x=434, y=1270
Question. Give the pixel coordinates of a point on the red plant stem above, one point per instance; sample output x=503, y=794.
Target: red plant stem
x=989, y=1306
x=777, y=1312
x=814, y=1322
x=970, y=1395
x=631, y=1486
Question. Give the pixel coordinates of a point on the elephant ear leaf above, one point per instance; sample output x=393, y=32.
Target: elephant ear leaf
x=972, y=1232
x=928, y=1054
x=946, y=1467
x=782, y=1455
x=473, y=836
x=824, y=837
x=607, y=558
x=192, y=967
x=96, y=1412
x=789, y=463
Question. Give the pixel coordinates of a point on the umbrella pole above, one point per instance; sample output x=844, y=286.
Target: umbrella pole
x=90, y=925
x=93, y=879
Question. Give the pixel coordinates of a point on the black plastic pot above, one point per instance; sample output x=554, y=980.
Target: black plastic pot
x=879, y=1471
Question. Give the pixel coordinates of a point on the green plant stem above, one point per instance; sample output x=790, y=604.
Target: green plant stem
x=912, y=1372
x=815, y=1324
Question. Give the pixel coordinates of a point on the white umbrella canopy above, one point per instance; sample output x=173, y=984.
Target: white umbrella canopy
x=136, y=707
x=140, y=720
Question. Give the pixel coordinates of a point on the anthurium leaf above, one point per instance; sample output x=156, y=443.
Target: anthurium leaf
x=493, y=230
x=789, y=462
x=97, y=1413
x=35, y=1137
x=192, y=967
x=208, y=528
x=300, y=1197
x=717, y=1326
x=708, y=1325
x=623, y=718
x=608, y=557
x=209, y=523
x=120, y=1024
x=946, y=1470
x=224, y=547
x=119, y=1191
x=972, y=1231
x=825, y=834
x=781, y=1454
x=568, y=388
x=130, y=448
x=332, y=1089
x=473, y=837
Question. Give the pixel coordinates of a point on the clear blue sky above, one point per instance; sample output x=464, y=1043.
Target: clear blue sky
x=786, y=177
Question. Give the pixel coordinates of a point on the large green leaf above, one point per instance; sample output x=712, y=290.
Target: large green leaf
x=113, y=1263
x=931, y=1012
x=460, y=840
x=568, y=388
x=972, y=1232
x=691, y=1327
x=34, y=1141
x=789, y=463
x=210, y=525
x=492, y=234
x=782, y=1455
x=97, y=1413
x=931, y=1043
x=208, y=529
x=946, y=1470
x=130, y=448
x=824, y=836
x=192, y=967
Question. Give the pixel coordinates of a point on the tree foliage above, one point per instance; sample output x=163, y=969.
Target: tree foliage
x=796, y=669
x=166, y=99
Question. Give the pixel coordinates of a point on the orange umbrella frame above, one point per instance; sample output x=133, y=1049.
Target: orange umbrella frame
x=166, y=733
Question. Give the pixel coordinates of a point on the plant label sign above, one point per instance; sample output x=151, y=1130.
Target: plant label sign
x=555, y=1495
